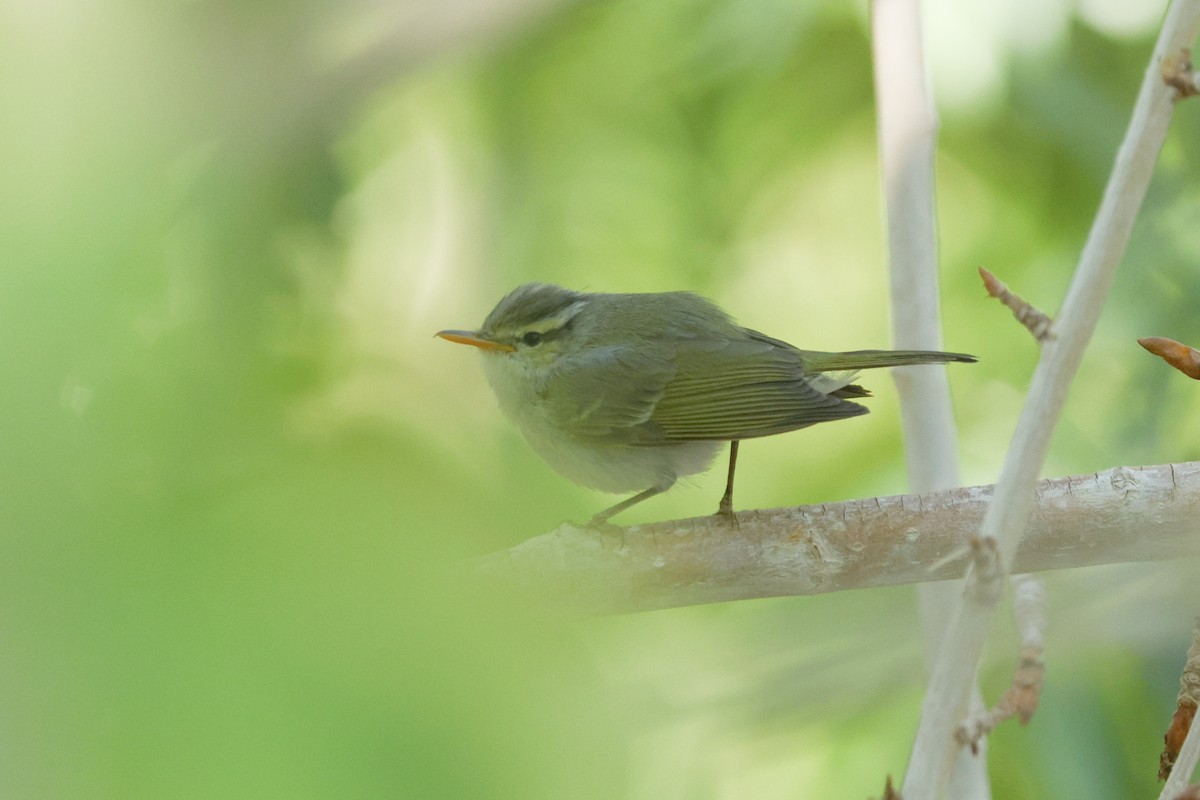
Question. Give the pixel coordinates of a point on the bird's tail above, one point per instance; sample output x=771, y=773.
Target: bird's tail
x=817, y=361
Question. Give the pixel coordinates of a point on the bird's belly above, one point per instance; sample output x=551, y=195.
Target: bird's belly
x=622, y=468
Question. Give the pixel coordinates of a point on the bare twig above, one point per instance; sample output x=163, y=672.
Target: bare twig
x=1079, y=521
x=1177, y=731
x=1021, y=697
x=1185, y=765
x=1029, y=602
x=1185, y=709
x=1180, y=356
x=889, y=790
x=1034, y=319
x=1177, y=72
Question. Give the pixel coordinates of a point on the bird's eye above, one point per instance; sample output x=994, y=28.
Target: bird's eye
x=532, y=339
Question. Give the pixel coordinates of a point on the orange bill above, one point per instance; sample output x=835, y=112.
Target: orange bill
x=475, y=339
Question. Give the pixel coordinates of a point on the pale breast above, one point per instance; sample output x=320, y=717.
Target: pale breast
x=588, y=461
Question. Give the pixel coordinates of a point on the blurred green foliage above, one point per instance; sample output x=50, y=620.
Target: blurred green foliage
x=239, y=477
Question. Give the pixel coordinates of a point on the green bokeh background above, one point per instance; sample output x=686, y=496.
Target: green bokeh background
x=239, y=476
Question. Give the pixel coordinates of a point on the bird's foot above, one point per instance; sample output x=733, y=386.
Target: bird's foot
x=725, y=511
x=611, y=535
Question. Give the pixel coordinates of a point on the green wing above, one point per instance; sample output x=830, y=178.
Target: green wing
x=740, y=389
x=609, y=393
x=692, y=390
x=704, y=388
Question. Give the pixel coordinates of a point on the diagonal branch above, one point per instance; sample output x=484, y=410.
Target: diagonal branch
x=1009, y=512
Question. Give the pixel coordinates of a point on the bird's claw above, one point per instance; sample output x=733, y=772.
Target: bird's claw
x=607, y=532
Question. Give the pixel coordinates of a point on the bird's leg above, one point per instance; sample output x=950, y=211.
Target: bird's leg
x=725, y=509
x=601, y=519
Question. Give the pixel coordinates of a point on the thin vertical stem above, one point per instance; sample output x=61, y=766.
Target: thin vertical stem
x=908, y=128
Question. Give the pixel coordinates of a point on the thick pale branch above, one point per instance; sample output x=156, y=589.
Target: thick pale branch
x=1078, y=521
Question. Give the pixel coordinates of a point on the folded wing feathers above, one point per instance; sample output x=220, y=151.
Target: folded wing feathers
x=716, y=390
x=744, y=390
